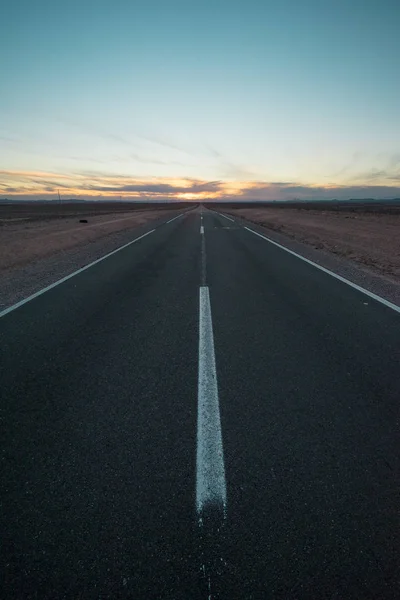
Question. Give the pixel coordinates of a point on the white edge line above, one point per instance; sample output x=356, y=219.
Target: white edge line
x=177, y=217
x=201, y=230
x=53, y=285
x=342, y=279
x=229, y=219
x=210, y=470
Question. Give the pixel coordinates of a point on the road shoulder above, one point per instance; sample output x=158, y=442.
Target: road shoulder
x=354, y=272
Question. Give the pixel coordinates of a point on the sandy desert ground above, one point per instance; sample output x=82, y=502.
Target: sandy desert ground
x=28, y=233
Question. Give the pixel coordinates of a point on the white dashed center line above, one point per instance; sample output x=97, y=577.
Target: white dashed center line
x=210, y=469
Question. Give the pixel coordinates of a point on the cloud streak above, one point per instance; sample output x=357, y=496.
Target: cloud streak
x=162, y=188
x=32, y=184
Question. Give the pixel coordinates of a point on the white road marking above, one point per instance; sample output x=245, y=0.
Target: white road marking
x=53, y=285
x=203, y=261
x=201, y=230
x=229, y=219
x=170, y=221
x=210, y=470
x=342, y=279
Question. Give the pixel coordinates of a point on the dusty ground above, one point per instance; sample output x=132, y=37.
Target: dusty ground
x=369, y=239
x=39, y=211
x=30, y=233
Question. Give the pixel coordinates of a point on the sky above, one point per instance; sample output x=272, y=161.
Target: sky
x=168, y=99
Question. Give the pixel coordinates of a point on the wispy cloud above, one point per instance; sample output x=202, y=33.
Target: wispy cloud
x=133, y=140
x=375, y=175
x=164, y=143
x=347, y=168
x=234, y=171
x=394, y=160
x=8, y=139
x=154, y=161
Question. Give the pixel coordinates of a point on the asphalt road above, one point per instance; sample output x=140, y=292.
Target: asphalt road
x=259, y=461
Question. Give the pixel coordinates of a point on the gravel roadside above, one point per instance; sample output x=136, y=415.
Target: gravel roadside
x=19, y=282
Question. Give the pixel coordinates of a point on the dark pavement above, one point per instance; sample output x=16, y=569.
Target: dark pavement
x=99, y=413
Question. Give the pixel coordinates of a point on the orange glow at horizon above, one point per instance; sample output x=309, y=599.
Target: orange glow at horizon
x=96, y=185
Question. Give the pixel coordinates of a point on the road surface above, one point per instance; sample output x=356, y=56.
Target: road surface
x=200, y=415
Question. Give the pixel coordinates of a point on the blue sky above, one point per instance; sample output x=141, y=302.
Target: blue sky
x=255, y=99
